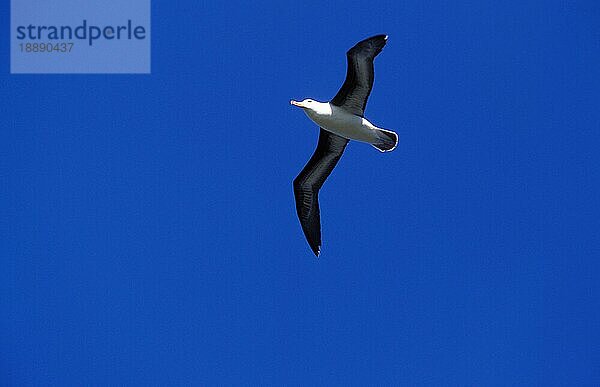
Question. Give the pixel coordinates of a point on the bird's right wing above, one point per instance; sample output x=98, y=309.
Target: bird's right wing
x=309, y=181
x=355, y=91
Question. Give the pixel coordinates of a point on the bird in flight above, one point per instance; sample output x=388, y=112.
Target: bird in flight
x=341, y=120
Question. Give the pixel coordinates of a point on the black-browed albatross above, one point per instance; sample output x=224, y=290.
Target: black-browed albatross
x=342, y=119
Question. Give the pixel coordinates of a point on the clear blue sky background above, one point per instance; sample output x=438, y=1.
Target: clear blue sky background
x=148, y=229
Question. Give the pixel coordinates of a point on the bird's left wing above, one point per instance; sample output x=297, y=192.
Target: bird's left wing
x=360, y=74
x=309, y=181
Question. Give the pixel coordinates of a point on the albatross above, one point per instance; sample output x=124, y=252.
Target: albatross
x=340, y=120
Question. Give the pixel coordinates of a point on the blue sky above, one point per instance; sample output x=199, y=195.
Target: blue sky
x=148, y=227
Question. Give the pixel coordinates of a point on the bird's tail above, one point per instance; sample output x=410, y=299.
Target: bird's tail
x=386, y=140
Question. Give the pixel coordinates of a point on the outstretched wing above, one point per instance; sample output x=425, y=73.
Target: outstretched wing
x=309, y=181
x=359, y=78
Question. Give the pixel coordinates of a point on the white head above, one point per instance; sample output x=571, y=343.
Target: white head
x=312, y=106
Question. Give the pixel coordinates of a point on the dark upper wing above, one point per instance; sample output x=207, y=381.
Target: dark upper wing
x=359, y=77
x=309, y=181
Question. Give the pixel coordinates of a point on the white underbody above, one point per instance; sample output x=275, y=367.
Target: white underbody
x=337, y=120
